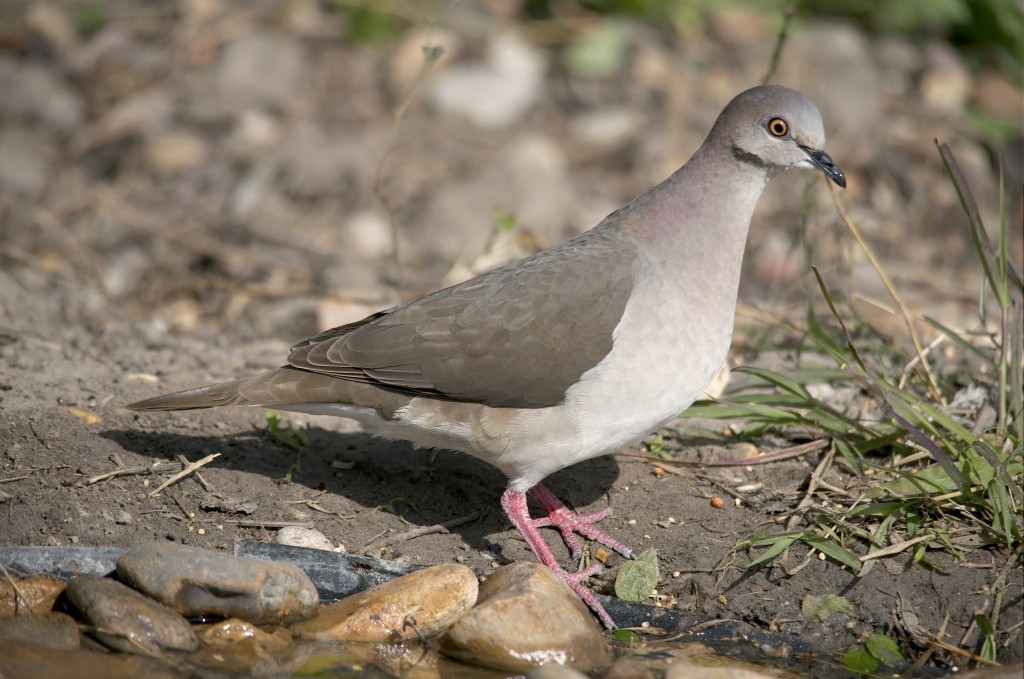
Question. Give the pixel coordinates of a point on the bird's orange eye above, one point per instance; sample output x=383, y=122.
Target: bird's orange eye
x=778, y=127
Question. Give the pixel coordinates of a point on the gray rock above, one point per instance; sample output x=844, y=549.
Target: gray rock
x=24, y=168
x=525, y=617
x=52, y=630
x=129, y=621
x=262, y=68
x=498, y=91
x=195, y=581
x=37, y=93
x=298, y=536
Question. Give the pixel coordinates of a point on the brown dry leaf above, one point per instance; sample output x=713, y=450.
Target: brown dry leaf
x=35, y=594
x=85, y=415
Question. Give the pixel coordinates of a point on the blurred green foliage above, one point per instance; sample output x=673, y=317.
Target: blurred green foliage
x=987, y=32
x=984, y=30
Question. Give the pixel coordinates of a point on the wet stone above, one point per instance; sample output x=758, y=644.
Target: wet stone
x=426, y=601
x=52, y=630
x=195, y=581
x=527, y=617
x=130, y=622
x=237, y=648
x=627, y=668
x=555, y=671
x=22, y=660
x=687, y=670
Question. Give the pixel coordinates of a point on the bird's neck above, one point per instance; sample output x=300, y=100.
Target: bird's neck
x=695, y=222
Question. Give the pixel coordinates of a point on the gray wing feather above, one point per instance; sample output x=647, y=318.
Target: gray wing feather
x=518, y=336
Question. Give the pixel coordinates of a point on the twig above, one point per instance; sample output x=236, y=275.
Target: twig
x=933, y=386
x=18, y=594
x=915, y=360
x=185, y=472
x=12, y=479
x=199, y=477
x=812, y=485
x=787, y=18
x=392, y=540
x=431, y=54
x=763, y=458
x=242, y=523
x=129, y=471
x=189, y=516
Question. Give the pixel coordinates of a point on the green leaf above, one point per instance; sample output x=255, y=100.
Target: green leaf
x=823, y=607
x=638, y=578
x=601, y=53
x=857, y=659
x=832, y=550
x=627, y=636
x=778, y=544
x=884, y=649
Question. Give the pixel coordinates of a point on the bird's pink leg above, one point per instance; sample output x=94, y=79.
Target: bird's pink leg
x=514, y=504
x=569, y=523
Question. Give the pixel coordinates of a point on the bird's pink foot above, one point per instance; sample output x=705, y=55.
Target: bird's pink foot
x=568, y=523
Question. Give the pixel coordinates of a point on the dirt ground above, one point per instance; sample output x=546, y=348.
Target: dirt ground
x=133, y=265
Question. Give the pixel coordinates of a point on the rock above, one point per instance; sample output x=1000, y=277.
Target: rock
x=41, y=95
x=606, y=128
x=998, y=95
x=262, y=68
x=1003, y=672
x=527, y=617
x=297, y=536
x=195, y=581
x=52, y=630
x=426, y=601
x=22, y=660
x=368, y=235
x=254, y=133
x=687, y=670
x=53, y=26
x=554, y=671
x=130, y=622
x=497, y=92
x=231, y=631
x=144, y=112
x=832, y=64
x=34, y=594
x=627, y=668
x=945, y=83
x=174, y=151
x=236, y=648
x=528, y=181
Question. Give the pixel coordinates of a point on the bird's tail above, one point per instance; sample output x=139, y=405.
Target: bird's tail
x=212, y=396
x=281, y=386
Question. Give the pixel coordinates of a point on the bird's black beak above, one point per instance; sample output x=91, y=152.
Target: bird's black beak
x=827, y=165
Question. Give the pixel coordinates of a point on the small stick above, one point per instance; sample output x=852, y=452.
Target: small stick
x=185, y=472
x=422, y=530
x=199, y=477
x=129, y=471
x=271, y=524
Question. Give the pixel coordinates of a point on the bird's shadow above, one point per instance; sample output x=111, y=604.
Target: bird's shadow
x=423, y=487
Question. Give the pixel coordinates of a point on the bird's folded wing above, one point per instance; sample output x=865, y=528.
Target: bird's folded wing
x=518, y=336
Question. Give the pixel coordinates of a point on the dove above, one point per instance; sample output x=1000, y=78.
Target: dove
x=574, y=352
